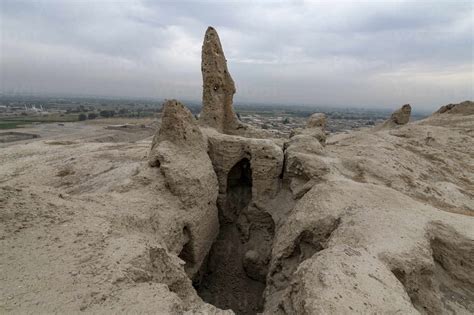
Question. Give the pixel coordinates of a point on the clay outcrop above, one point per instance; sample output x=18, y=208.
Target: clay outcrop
x=303, y=167
x=464, y=108
x=218, y=92
x=315, y=128
x=265, y=158
x=301, y=226
x=179, y=150
x=258, y=182
x=402, y=115
x=179, y=128
x=398, y=118
x=218, y=86
x=317, y=120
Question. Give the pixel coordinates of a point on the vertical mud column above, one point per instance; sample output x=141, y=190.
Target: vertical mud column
x=218, y=86
x=179, y=150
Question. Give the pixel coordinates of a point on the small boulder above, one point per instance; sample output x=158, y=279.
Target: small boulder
x=402, y=115
x=398, y=118
x=317, y=120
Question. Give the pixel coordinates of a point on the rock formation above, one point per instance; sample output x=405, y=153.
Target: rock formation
x=303, y=167
x=248, y=172
x=317, y=120
x=179, y=150
x=218, y=86
x=179, y=128
x=464, y=108
x=398, y=118
x=307, y=227
x=402, y=115
x=218, y=92
x=315, y=128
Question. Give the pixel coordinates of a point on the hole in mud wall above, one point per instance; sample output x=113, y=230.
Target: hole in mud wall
x=186, y=253
x=233, y=276
x=239, y=191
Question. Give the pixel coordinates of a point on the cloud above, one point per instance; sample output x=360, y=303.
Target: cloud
x=373, y=54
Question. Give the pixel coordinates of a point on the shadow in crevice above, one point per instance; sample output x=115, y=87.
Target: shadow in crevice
x=186, y=253
x=239, y=192
x=233, y=276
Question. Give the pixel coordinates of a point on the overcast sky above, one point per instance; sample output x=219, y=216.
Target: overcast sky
x=337, y=53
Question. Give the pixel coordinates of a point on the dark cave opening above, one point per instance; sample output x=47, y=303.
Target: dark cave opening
x=186, y=253
x=239, y=192
x=231, y=277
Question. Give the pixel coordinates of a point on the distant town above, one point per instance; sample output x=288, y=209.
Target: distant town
x=20, y=111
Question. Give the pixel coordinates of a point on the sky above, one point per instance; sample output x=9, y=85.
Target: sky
x=378, y=54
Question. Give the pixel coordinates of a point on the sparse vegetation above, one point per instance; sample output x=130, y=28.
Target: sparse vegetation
x=22, y=121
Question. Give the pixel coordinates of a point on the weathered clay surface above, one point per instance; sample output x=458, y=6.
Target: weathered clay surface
x=364, y=285
x=399, y=117
x=180, y=152
x=317, y=120
x=265, y=156
x=218, y=92
x=248, y=172
x=315, y=127
x=303, y=167
x=218, y=86
x=351, y=223
x=402, y=115
x=464, y=108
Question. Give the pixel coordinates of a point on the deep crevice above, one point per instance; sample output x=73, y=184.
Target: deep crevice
x=234, y=273
x=239, y=192
x=186, y=253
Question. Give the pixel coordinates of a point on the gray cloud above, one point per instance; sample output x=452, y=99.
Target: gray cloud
x=300, y=52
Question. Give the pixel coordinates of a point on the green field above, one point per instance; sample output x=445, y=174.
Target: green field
x=10, y=124
x=19, y=122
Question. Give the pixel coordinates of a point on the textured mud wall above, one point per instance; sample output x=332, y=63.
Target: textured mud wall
x=179, y=150
x=218, y=86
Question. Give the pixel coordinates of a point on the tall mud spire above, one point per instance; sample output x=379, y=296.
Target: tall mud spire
x=218, y=86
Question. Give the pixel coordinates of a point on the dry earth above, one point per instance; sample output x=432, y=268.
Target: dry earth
x=87, y=225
